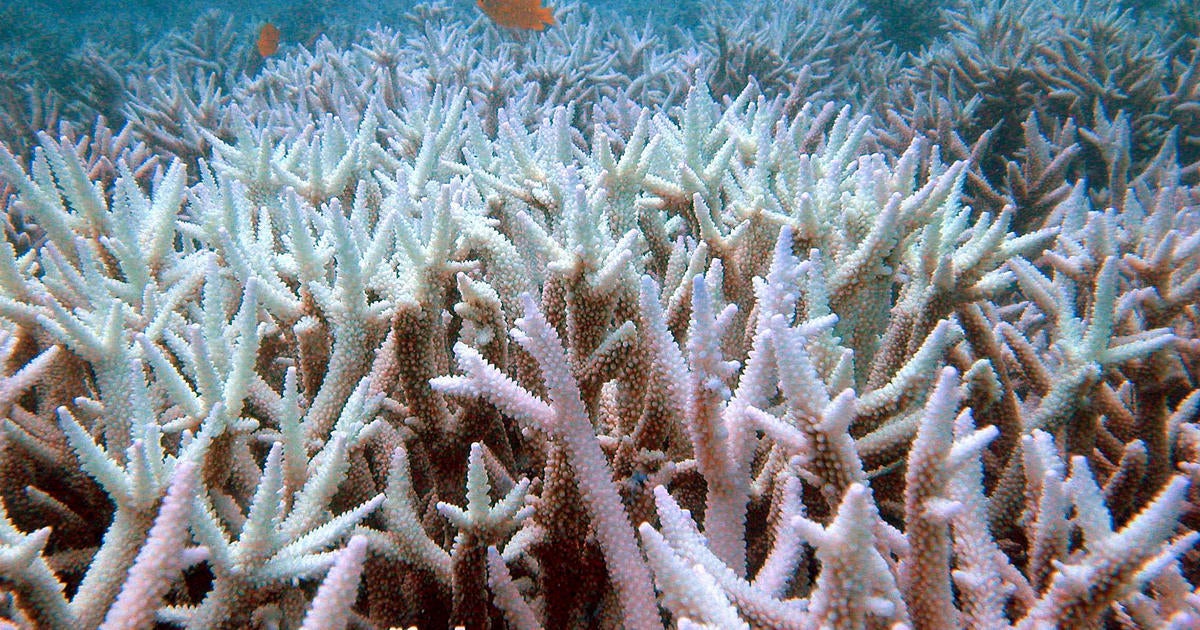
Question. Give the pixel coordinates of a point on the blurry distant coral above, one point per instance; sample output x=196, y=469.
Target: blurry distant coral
x=909, y=24
x=830, y=50
x=1113, y=93
x=760, y=325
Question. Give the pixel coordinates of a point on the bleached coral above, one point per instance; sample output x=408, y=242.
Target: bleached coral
x=762, y=376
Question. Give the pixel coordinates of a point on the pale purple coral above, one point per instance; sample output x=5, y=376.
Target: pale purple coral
x=431, y=361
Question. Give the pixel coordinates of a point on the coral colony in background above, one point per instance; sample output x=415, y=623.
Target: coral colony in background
x=790, y=319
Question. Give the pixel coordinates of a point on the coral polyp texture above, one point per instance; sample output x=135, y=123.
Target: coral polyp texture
x=613, y=326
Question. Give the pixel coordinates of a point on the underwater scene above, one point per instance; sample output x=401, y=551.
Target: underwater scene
x=844, y=314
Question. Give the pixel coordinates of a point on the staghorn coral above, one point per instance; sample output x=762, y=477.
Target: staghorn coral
x=819, y=48
x=1109, y=89
x=394, y=355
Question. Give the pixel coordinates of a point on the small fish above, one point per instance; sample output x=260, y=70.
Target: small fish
x=268, y=40
x=526, y=14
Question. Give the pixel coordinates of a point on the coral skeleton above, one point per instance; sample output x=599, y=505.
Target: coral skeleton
x=608, y=345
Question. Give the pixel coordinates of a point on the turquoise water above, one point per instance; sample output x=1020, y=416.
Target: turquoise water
x=71, y=61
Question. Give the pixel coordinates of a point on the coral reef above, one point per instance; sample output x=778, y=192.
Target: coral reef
x=612, y=328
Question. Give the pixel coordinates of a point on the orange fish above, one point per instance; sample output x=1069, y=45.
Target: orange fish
x=268, y=40
x=527, y=14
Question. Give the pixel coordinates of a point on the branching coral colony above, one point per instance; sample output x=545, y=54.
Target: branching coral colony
x=715, y=366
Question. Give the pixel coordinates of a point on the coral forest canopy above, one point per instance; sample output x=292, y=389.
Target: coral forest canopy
x=787, y=320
